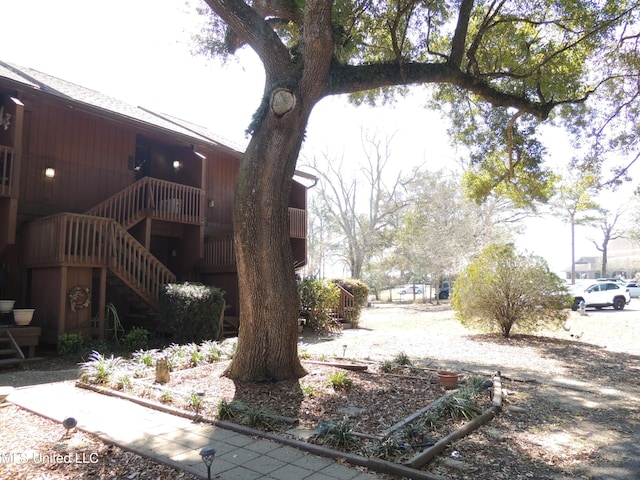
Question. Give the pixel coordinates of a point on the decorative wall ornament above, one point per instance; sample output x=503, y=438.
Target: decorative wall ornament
x=79, y=298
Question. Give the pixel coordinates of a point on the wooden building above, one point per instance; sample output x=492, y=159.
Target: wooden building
x=111, y=201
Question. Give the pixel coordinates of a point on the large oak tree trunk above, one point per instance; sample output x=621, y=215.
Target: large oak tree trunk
x=269, y=303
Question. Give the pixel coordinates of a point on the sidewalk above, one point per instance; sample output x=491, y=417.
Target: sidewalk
x=177, y=441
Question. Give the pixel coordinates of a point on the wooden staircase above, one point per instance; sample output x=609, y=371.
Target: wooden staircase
x=81, y=240
x=10, y=352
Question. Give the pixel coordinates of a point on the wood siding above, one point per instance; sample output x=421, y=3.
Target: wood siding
x=90, y=157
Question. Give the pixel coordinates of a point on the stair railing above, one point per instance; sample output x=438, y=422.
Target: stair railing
x=151, y=196
x=74, y=239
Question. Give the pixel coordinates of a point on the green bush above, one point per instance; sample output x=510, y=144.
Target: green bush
x=136, y=339
x=318, y=299
x=191, y=312
x=501, y=290
x=69, y=344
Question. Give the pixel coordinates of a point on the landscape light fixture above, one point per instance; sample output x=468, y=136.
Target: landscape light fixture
x=49, y=172
x=208, y=454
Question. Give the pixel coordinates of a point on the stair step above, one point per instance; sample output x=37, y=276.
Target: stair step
x=10, y=361
x=7, y=351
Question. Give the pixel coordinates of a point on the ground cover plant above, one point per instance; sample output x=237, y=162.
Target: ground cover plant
x=341, y=409
x=547, y=428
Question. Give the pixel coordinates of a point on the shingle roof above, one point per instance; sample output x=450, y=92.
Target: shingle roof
x=72, y=92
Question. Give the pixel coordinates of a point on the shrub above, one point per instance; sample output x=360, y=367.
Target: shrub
x=136, y=339
x=501, y=289
x=191, y=312
x=69, y=344
x=318, y=298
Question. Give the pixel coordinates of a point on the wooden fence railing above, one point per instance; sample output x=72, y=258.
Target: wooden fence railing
x=150, y=196
x=6, y=171
x=72, y=239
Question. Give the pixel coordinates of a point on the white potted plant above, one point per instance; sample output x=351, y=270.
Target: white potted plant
x=6, y=305
x=23, y=316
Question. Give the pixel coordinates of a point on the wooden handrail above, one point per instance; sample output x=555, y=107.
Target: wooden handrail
x=151, y=196
x=6, y=171
x=73, y=239
x=346, y=307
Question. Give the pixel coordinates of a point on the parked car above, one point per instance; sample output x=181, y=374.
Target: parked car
x=412, y=289
x=634, y=289
x=445, y=291
x=600, y=294
x=622, y=281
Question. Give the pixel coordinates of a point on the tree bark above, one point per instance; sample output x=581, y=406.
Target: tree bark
x=269, y=304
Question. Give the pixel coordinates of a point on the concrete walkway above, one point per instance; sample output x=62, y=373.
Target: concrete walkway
x=177, y=441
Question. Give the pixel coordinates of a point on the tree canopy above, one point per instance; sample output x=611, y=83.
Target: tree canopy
x=498, y=67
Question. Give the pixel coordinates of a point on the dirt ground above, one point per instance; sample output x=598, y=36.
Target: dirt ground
x=571, y=395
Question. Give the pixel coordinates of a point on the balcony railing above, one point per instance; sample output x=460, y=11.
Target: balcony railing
x=219, y=250
x=6, y=171
x=297, y=223
x=150, y=196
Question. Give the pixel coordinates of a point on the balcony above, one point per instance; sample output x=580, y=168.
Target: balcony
x=219, y=253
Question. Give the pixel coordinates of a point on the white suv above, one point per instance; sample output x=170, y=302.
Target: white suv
x=601, y=294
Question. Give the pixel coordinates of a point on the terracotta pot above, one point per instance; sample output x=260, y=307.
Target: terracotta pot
x=23, y=316
x=6, y=305
x=448, y=379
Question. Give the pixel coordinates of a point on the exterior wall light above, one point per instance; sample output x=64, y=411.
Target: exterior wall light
x=49, y=172
x=177, y=164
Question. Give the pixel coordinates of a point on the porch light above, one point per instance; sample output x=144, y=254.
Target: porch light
x=49, y=172
x=177, y=164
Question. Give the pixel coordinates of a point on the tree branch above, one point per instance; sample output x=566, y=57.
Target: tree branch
x=356, y=78
x=255, y=31
x=458, y=44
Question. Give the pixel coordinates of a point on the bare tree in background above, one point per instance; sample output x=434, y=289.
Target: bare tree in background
x=360, y=204
x=441, y=230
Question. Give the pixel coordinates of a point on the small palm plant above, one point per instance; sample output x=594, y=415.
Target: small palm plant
x=99, y=369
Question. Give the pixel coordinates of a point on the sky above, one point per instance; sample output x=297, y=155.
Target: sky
x=140, y=51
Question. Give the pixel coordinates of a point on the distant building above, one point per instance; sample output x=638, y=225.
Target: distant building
x=623, y=260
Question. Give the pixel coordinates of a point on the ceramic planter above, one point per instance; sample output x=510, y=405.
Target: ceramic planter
x=23, y=316
x=6, y=305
